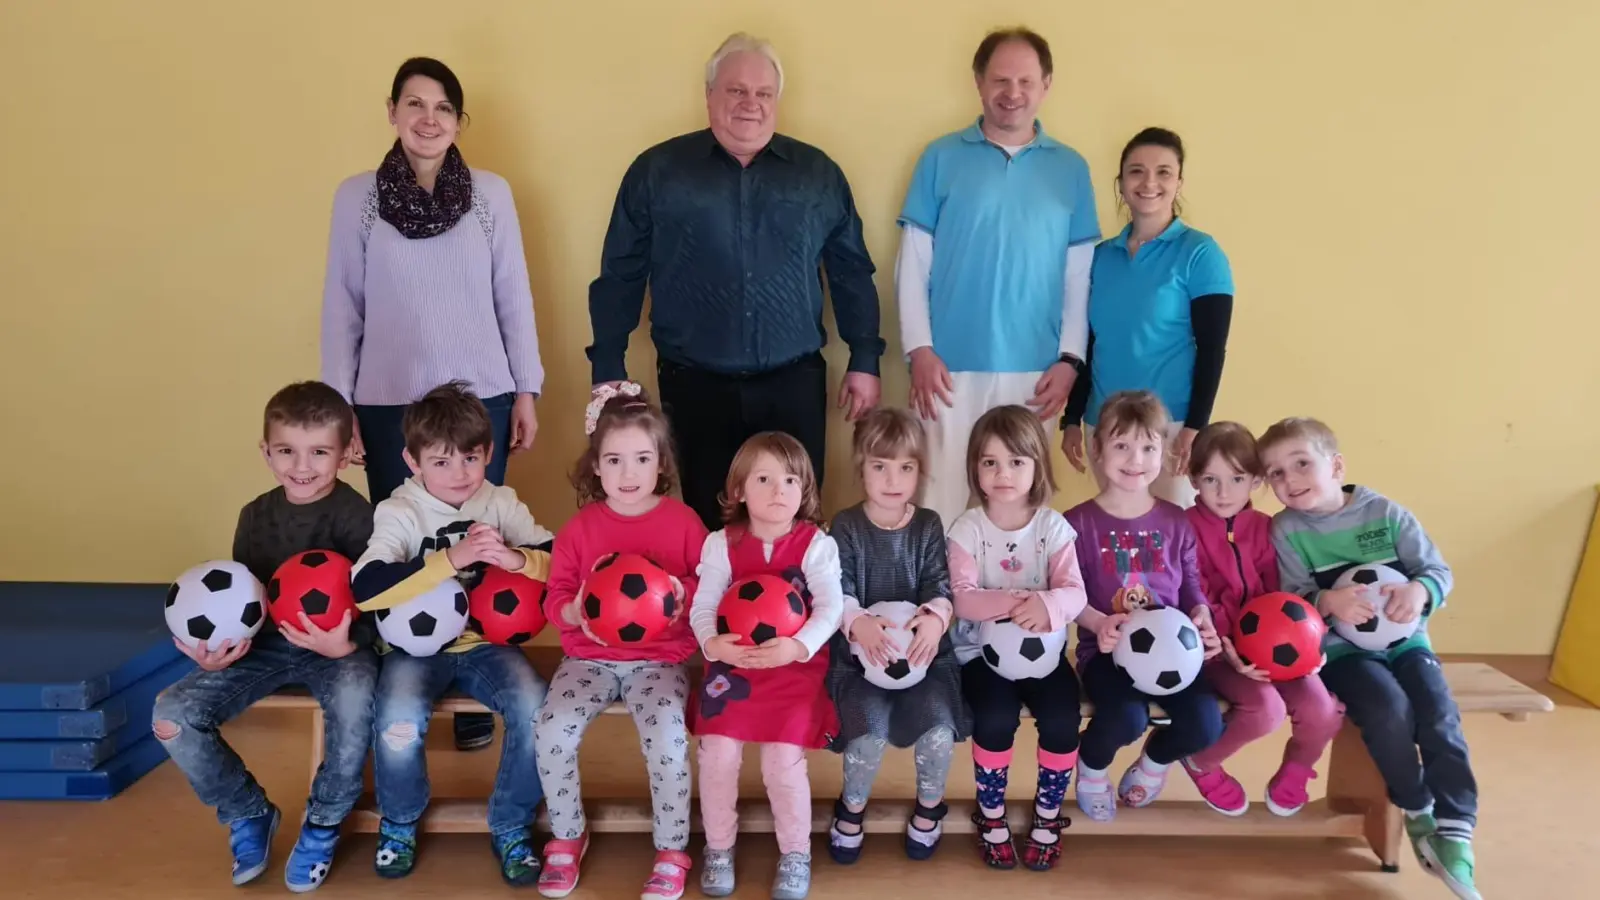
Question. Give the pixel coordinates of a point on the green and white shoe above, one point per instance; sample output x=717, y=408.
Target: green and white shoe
x=1419, y=829
x=1451, y=860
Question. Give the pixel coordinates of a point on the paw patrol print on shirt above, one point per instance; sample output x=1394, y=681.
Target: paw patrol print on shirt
x=1130, y=555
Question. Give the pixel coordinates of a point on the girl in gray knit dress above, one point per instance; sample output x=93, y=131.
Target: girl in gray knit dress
x=892, y=552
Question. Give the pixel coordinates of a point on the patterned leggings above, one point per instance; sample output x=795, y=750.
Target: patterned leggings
x=864, y=755
x=655, y=693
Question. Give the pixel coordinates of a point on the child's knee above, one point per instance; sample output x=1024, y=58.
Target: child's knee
x=1258, y=715
x=996, y=726
x=165, y=729
x=1122, y=722
x=402, y=735
x=718, y=754
x=783, y=766
x=172, y=713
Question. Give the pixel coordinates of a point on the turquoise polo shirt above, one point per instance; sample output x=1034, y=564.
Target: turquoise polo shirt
x=1001, y=227
x=1139, y=314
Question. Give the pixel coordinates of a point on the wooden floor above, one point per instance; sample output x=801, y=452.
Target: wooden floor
x=156, y=840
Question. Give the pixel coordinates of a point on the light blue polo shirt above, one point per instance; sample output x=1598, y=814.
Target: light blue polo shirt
x=1139, y=314
x=1001, y=227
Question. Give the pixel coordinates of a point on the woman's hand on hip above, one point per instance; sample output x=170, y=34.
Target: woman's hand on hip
x=524, y=423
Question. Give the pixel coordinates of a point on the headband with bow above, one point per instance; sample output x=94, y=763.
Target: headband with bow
x=602, y=394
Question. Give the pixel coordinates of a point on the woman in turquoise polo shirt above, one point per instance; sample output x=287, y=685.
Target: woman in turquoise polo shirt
x=1160, y=302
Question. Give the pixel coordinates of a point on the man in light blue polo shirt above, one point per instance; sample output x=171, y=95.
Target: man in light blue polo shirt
x=998, y=235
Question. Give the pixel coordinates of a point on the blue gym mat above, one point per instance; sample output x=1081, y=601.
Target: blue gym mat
x=133, y=707
x=70, y=646
x=130, y=707
x=101, y=784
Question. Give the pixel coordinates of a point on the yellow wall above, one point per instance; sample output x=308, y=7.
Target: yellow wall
x=1410, y=215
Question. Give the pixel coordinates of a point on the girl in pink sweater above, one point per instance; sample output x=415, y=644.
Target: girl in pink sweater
x=622, y=481
x=1237, y=563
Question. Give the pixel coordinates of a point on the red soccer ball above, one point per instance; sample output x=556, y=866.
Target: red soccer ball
x=316, y=582
x=627, y=599
x=761, y=608
x=507, y=608
x=1280, y=634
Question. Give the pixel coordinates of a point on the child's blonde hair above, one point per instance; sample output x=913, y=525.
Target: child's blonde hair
x=1300, y=428
x=1229, y=440
x=618, y=412
x=1135, y=412
x=1018, y=429
x=889, y=433
x=789, y=454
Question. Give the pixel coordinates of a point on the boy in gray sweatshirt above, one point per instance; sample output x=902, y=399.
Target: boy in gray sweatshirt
x=1398, y=697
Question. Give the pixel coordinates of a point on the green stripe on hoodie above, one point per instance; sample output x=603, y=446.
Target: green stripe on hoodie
x=1315, y=548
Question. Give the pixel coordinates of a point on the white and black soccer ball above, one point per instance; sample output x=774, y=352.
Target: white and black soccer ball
x=215, y=602
x=900, y=674
x=1160, y=650
x=1376, y=634
x=1016, y=653
x=428, y=622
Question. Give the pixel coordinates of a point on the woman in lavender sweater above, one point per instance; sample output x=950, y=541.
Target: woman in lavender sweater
x=426, y=284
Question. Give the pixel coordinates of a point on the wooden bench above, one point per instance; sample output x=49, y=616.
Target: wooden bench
x=1356, y=805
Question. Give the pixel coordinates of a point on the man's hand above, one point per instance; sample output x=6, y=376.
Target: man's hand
x=1051, y=391
x=1351, y=605
x=858, y=394
x=930, y=384
x=214, y=660
x=334, y=643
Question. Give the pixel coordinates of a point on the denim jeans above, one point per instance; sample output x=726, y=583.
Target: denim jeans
x=500, y=678
x=200, y=702
x=1404, y=707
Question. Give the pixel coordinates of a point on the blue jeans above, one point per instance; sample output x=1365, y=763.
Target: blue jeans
x=1122, y=713
x=386, y=467
x=1403, y=708
x=188, y=714
x=500, y=678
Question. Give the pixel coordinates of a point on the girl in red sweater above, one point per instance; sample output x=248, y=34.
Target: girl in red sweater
x=1237, y=563
x=622, y=480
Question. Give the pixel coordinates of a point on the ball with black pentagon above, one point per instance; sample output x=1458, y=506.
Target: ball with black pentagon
x=1160, y=650
x=428, y=622
x=1018, y=654
x=761, y=608
x=627, y=600
x=507, y=607
x=1378, y=633
x=315, y=582
x=215, y=603
x=900, y=673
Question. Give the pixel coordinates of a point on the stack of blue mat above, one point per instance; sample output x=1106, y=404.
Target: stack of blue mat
x=80, y=668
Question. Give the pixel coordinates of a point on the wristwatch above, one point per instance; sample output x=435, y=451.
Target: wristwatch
x=1073, y=361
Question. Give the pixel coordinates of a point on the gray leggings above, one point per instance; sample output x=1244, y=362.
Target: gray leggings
x=655, y=693
x=864, y=755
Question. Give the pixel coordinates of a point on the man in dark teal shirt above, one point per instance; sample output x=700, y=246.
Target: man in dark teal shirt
x=731, y=228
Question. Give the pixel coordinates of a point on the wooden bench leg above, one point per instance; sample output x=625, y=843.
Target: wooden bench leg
x=319, y=729
x=1354, y=785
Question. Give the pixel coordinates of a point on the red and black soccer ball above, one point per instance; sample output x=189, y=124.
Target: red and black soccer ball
x=627, y=600
x=316, y=582
x=1280, y=634
x=507, y=608
x=761, y=608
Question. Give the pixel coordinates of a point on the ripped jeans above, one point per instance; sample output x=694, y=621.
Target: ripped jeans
x=500, y=678
x=188, y=716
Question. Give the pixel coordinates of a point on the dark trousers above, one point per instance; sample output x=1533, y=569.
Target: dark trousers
x=387, y=470
x=1122, y=713
x=1403, y=707
x=713, y=414
x=386, y=467
x=997, y=707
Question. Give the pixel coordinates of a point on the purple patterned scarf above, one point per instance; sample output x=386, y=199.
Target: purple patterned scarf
x=413, y=211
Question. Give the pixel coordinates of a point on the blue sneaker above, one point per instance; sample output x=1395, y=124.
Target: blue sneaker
x=311, y=857
x=397, y=849
x=251, y=842
x=519, y=861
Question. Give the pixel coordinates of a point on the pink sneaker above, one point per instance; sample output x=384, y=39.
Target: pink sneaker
x=561, y=861
x=1286, y=792
x=667, y=876
x=1221, y=791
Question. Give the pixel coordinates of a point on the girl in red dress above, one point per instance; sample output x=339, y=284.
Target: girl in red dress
x=773, y=694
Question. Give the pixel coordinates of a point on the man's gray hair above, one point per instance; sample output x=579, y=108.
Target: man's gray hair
x=743, y=43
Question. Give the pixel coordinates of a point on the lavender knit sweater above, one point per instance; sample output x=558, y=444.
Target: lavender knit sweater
x=400, y=316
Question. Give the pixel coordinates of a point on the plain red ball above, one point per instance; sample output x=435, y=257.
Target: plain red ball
x=761, y=608
x=1280, y=634
x=316, y=582
x=507, y=608
x=627, y=600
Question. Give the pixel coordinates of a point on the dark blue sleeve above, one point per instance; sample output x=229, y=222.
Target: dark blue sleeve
x=616, y=297
x=377, y=577
x=850, y=269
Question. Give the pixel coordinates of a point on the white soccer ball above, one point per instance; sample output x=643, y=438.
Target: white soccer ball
x=1376, y=634
x=1016, y=653
x=900, y=674
x=428, y=622
x=1160, y=650
x=215, y=602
